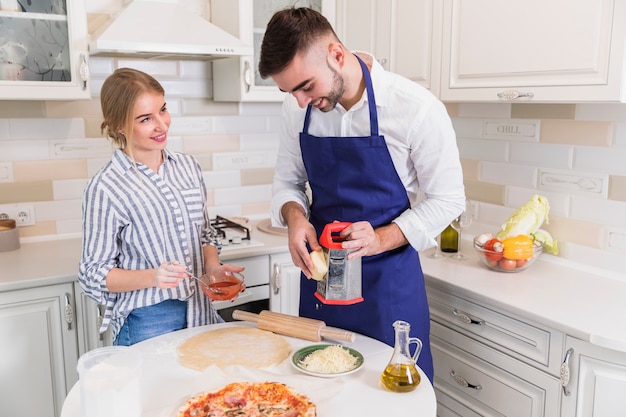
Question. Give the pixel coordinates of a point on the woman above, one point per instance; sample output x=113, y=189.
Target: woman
x=145, y=225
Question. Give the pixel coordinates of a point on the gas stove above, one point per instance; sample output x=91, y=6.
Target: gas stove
x=234, y=235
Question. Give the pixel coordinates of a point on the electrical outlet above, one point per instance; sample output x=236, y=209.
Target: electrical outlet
x=24, y=214
x=7, y=211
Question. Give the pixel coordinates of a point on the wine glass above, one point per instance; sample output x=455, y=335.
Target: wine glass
x=461, y=223
x=437, y=254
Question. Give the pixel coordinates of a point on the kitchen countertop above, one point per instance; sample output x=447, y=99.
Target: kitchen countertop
x=567, y=297
x=56, y=261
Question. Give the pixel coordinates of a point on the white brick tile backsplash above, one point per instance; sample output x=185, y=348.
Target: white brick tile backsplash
x=72, y=227
x=260, y=109
x=32, y=128
x=595, y=210
x=233, y=124
x=508, y=174
x=6, y=172
x=485, y=110
x=468, y=128
x=95, y=164
x=241, y=195
x=159, y=68
x=58, y=210
x=222, y=179
x=546, y=155
x=187, y=88
x=195, y=69
x=101, y=67
x=4, y=129
x=259, y=141
x=613, y=111
x=619, y=140
x=24, y=150
x=68, y=189
x=612, y=161
x=80, y=148
x=241, y=160
x=483, y=149
x=191, y=126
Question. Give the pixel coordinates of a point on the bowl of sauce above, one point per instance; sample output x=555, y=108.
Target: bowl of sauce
x=220, y=287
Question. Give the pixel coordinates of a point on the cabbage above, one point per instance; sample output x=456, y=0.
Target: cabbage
x=527, y=219
x=546, y=241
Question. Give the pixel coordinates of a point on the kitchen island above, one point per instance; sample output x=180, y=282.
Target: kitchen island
x=563, y=306
x=166, y=383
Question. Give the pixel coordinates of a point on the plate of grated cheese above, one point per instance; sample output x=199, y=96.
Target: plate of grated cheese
x=327, y=361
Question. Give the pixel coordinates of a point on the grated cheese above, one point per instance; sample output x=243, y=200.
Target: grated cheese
x=331, y=360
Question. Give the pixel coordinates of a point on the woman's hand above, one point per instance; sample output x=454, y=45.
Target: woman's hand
x=169, y=274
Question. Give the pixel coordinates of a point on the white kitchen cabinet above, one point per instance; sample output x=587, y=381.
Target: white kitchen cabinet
x=534, y=51
x=38, y=341
x=43, y=53
x=237, y=78
x=284, y=284
x=597, y=381
x=489, y=362
x=403, y=35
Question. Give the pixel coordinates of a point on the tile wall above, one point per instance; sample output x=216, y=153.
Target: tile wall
x=573, y=154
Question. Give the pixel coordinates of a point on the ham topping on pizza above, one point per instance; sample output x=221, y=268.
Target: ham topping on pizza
x=264, y=399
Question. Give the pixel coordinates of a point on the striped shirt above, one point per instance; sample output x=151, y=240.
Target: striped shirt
x=134, y=219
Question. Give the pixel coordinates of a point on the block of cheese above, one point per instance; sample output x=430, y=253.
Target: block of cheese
x=320, y=265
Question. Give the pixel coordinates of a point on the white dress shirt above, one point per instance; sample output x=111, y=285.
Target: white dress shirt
x=420, y=139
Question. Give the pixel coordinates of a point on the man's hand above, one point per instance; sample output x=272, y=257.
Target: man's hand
x=300, y=232
x=369, y=242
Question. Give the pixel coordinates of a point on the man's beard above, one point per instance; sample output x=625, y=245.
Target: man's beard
x=335, y=93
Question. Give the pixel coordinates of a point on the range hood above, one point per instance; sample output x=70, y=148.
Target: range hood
x=159, y=29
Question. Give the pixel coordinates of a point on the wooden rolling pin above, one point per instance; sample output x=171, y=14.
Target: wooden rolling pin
x=301, y=327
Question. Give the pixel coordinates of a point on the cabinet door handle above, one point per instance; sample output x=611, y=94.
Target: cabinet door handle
x=68, y=312
x=466, y=318
x=83, y=70
x=276, y=279
x=247, y=75
x=564, y=373
x=463, y=382
x=99, y=318
x=513, y=95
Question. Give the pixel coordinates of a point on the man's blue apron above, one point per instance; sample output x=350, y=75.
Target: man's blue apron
x=353, y=179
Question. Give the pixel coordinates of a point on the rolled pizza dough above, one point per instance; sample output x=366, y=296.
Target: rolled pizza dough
x=233, y=346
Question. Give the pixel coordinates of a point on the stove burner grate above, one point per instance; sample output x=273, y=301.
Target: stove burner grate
x=221, y=224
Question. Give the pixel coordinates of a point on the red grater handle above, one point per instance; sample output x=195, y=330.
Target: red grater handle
x=329, y=237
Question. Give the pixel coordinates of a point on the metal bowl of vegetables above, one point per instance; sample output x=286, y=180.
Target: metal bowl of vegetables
x=514, y=254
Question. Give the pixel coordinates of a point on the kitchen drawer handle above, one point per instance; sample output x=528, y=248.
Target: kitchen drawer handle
x=565, y=372
x=68, y=312
x=466, y=318
x=276, y=279
x=514, y=95
x=463, y=382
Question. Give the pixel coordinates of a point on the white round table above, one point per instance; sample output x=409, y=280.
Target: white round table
x=166, y=383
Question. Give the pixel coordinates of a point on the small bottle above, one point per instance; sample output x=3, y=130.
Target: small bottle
x=401, y=373
x=449, y=240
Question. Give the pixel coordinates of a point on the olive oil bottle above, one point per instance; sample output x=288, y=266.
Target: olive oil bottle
x=449, y=240
x=400, y=374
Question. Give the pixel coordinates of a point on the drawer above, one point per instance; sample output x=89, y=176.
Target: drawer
x=257, y=270
x=529, y=342
x=489, y=382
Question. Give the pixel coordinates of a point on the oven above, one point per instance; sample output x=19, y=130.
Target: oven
x=235, y=236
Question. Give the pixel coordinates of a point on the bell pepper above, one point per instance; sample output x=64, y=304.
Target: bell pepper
x=518, y=247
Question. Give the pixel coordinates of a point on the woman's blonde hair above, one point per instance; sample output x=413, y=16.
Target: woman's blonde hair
x=117, y=99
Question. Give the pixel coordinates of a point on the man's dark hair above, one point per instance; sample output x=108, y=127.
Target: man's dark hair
x=288, y=32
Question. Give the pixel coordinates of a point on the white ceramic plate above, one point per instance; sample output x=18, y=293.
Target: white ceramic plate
x=299, y=355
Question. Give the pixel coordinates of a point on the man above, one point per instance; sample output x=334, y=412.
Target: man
x=376, y=150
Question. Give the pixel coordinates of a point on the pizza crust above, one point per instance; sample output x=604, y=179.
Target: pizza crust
x=244, y=346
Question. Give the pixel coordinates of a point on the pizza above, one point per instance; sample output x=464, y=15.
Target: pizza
x=249, y=399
